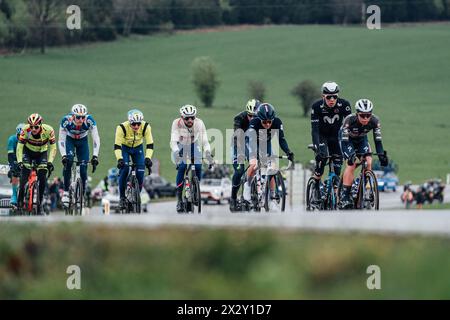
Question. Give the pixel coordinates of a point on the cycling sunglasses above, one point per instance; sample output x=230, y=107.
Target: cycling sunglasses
x=35, y=127
x=333, y=96
x=80, y=117
x=365, y=115
x=266, y=121
x=189, y=118
x=136, y=124
x=250, y=115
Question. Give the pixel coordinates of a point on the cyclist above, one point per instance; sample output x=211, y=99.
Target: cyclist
x=129, y=142
x=13, y=172
x=188, y=139
x=260, y=133
x=73, y=139
x=327, y=115
x=37, y=143
x=241, y=125
x=353, y=138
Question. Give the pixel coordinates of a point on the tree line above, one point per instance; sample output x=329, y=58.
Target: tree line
x=41, y=23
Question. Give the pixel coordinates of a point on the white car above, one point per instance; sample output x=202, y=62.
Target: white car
x=217, y=190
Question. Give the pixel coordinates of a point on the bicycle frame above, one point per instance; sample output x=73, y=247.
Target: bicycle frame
x=263, y=179
x=362, y=180
x=329, y=187
x=32, y=180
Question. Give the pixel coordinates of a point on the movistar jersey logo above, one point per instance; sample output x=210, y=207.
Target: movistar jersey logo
x=331, y=120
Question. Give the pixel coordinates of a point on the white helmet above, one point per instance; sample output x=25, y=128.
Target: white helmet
x=330, y=87
x=135, y=116
x=79, y=110
x=252, y=106
x=188, y=111
x=364, y=106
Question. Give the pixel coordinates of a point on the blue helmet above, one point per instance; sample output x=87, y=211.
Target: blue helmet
x=266, y=112
x=19, y=128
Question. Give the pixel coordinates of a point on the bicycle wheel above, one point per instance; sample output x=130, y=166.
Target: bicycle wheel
x=26, y=208
x=136, y=196
x=332, y=193
x=310, y=194
x=374, y=196
x=267, y=193
x=255, y=196
x=196, y=196
x=36, y=210
x=78, y=203
x=279, y=192
x=368, y=196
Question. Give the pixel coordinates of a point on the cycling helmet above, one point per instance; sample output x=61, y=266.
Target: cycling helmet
x=35, y=119
x=252, y=106
x=266, y=112
x=330, y=87
x=79, y=110
x=188, y=111
x=364, y=106
x=19, y=128
x=135, y=116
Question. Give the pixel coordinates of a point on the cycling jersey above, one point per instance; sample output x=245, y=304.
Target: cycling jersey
x=354, y=131
x=38, y=143
x=262, y=135
x=241, y=121
x=326, y=121
x=68, y=128
x=184, y=136
x=12, y=147
x=126, y=136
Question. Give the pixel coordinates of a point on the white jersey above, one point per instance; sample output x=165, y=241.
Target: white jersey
x=186, y=136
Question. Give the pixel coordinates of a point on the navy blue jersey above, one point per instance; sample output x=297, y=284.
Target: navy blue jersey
x=326, y=121
x=256, y=129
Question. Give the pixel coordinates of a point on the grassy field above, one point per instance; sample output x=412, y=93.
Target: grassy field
x=217, y=264
x=404, y=70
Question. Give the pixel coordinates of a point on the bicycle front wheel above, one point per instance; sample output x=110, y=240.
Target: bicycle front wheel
x=332, y=193
x=35, y=199
x=136, y=197
x=368, y=195
x=255, y=196
x=78, y=205
x=196, y=196
x=310, y=190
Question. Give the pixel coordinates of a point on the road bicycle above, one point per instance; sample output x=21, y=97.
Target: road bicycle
x=192, y=200
x=364, y=192
x=267, y=189
x=31, y=202
x=326, y=197
x=76, y=191
x=132, y=192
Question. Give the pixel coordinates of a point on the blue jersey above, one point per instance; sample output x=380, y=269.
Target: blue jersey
x=12, y=144
x=12, y=147
x=77, y=132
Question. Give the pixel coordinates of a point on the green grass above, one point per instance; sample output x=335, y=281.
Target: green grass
x=435, y=206
x=404, y=70
x=217, y=264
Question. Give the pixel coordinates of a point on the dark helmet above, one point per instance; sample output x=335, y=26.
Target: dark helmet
x=266, y=112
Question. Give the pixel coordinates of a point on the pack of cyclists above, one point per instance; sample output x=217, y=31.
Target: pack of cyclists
x=335, y=132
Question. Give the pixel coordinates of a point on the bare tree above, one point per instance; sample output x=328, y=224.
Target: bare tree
x=44, y=13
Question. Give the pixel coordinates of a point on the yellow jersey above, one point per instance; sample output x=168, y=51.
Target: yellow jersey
x=126, y=136
x=37, y=143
